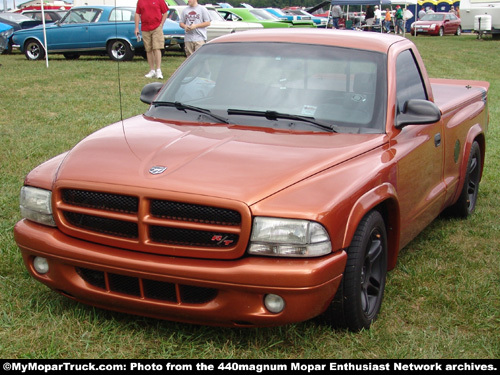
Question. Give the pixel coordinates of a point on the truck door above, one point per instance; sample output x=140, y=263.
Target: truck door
x=420, y=152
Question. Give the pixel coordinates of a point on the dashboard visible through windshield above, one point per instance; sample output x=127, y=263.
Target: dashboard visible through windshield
x=282, y=85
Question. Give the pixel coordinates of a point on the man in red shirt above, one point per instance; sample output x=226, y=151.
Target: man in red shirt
x=152, y=15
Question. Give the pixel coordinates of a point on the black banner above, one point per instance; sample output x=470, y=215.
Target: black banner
x=232, y=366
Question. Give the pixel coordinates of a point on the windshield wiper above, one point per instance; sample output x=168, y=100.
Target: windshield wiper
x=273, y=115
x=182, y=107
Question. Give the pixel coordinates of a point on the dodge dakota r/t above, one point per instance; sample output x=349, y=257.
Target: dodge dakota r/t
x=273, y=178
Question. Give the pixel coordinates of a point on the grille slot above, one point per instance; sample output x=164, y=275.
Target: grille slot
x=151, y=289
x=98, y=224
x=189, y=237
x=194, y=213
x=101, y=201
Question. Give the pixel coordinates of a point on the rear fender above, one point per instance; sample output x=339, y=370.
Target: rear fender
x=475, y=133
x=113, y=38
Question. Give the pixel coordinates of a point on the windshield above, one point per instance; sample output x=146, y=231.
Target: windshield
x=214, y=15
x=342, y=88
x=83, y=15
x=263, y=15
x=432, y=17
x=14, y=17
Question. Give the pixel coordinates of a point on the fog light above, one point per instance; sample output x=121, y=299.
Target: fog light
x=274, y=303
x=41, y=265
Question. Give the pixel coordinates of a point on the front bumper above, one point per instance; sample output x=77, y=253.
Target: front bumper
x=200, y=291
x=173, y=39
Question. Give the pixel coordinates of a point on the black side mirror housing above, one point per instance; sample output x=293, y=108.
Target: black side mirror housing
x=418, y=112
x=150, y=91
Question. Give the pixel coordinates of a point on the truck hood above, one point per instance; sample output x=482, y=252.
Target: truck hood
x=246, y=165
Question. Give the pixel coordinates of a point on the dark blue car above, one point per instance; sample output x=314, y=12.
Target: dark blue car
x=96, y=30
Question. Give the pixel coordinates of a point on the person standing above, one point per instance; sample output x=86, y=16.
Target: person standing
x=399, y=20
x=378, y=15
x=151, y=14
x=369, y=16
x=194, y=20
x=387, y=20
x=336, y=15
x=421, y=13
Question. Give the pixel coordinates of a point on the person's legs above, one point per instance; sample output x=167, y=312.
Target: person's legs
x=147, y=39
x=157, y=61
x=158, y=45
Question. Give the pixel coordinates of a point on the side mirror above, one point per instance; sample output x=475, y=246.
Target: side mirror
x=150, y=91
x=418, y=112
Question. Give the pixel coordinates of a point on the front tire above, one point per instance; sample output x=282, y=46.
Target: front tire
x=119, y=50
x=441, y=31
x=33, y=50
x=466, y=203
x=358, y=300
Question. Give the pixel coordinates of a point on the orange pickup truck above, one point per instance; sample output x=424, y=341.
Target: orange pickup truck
x=274, y=178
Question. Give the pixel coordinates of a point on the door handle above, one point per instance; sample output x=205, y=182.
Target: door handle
x=437, y=140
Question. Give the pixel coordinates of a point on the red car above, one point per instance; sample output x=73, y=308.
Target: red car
x=437, y=24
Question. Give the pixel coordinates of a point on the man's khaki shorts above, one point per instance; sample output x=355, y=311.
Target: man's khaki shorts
x=153, y=39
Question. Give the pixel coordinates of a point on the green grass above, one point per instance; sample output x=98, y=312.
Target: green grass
x=442, y=300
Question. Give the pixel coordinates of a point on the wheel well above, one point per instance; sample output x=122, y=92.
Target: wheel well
x=383, y=199
x=480, y=139
x=31, y=40
x=390, y=212
x=119, y=40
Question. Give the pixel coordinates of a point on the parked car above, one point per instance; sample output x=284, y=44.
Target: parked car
x=273, y=178
x=51, y=15
x=96, y=30
x=218, y=25
x=261, y=16
x=281, y=14
x=18, y=21
x=438, y=23
x=173, y=33
x=5, y=33
x=319, y=21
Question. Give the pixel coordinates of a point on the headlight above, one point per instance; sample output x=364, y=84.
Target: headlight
x=35, y=205
x=433, y=26
x=288, y=238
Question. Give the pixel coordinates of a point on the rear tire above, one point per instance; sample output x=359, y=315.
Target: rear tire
x=358, y=300
x=33, y=50
x=119, y=50
x=459, y=31
x=466, y=203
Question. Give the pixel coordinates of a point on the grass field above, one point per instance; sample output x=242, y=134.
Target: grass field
x=442, y=300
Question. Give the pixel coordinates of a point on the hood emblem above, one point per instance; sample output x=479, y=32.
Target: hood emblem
x=157, y=169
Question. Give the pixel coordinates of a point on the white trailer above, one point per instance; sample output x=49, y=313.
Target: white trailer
x=481, y=16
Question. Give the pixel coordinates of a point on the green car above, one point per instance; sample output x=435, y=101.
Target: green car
x=261, y=16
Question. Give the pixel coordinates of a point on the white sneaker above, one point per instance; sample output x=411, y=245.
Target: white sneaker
x=158, y=74
x=151, y=74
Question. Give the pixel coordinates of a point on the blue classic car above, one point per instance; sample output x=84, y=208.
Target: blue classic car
x=96, y=30
x=5, y=33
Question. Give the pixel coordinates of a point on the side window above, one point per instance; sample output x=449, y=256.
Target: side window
x=409, y=83
x=121, y=15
